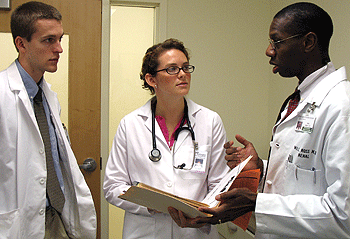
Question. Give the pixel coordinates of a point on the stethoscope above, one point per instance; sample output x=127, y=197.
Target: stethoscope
x=155, y=155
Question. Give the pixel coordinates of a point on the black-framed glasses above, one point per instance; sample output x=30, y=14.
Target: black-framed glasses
x=174, y=70
x=274, y=43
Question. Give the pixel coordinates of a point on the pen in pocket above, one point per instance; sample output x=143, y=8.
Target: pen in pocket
x=314, y=169
x=296, y=171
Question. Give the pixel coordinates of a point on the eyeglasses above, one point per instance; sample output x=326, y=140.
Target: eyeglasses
x=274, y=43
x=174, y=70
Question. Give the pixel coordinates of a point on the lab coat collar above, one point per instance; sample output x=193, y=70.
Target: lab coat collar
x=146, y=113
x=310, y=82
x=51, y=97
x=193, y=108
x=15, y=80
x=16, y=85
x=317, y=96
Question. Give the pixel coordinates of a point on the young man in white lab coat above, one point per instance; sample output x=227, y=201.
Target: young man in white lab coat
x=25, y=209
x=306, y=186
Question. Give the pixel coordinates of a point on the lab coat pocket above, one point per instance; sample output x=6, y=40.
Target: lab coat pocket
x=9, y=224
x=138, y=226
x=299, y=180
x=197, y=163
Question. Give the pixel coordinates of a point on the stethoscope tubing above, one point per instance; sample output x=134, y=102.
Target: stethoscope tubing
x=155, y=155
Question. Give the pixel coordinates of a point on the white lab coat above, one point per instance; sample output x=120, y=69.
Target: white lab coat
x=306, y=194
x=23, y=168
x=129, y=162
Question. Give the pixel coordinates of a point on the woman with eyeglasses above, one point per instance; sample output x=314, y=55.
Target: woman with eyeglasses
x=170, y=143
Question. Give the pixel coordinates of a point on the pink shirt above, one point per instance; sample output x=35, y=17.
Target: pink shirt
x=162, y=125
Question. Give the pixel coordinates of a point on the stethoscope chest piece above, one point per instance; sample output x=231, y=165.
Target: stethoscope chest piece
x=155, y=155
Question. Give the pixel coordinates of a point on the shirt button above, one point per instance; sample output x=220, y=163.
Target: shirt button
x=169, y=184
x=42, y=211
x=269, y=182
x=42, y=181
x=41, y=151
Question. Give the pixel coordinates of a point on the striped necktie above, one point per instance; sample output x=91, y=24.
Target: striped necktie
x=53, y=188
x=293, y=101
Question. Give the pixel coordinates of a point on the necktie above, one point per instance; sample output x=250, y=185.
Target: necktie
x=293, y=101
x=53, y=188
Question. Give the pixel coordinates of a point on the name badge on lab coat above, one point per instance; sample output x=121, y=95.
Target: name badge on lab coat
x=305, y=124
x=200, y=162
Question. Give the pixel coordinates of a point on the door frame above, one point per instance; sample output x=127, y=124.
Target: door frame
x=160, y=34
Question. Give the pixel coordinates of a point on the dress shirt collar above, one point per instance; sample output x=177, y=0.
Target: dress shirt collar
x=29, y=83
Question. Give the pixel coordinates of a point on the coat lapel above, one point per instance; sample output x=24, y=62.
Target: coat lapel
x=192, y=111
x=17, y=87
x=146, y=114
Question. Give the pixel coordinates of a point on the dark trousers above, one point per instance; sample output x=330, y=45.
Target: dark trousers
x=54, y=228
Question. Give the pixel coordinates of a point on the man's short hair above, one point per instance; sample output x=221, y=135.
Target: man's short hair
x=307, y=17
x=24, y=17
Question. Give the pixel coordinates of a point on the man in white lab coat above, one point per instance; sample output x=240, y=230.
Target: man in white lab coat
x=26, y=209
x=306, y=188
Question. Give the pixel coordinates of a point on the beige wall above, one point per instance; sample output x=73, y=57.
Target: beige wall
x=227, y=40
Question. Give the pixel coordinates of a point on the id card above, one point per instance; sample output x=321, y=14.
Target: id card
x=305, y=124
x=200, y=162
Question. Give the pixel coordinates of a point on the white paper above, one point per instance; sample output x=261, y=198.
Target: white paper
x=225, y=183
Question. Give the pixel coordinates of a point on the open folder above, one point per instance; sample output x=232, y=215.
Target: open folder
x=159, y=200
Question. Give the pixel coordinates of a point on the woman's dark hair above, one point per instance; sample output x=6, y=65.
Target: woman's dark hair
x=150, y=60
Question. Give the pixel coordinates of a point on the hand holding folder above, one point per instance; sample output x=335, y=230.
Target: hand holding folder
x=159, y=200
